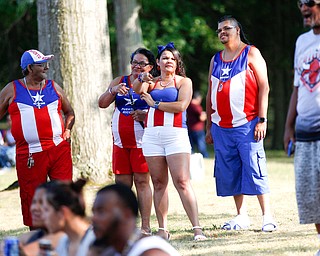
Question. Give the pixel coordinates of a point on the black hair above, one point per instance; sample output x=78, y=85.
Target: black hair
x=25, y=72
x=64, y=193
x=150, y=57
x=235, y=23
x=125, y=194
x=180, y=65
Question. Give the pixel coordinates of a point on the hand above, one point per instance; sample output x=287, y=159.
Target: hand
x=67, y=135
x=288, y=135
x=147, y=98
x=260, y=131
x=121, y=89
x=138, y=115
x=209, y=139
x=146, y=77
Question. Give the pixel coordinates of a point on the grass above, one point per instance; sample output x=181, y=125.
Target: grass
x=290, y=239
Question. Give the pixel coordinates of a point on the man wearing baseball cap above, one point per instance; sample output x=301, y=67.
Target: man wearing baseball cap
x=303, y=118
x=41, y=132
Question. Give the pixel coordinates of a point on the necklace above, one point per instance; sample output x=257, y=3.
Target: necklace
x=165, y=85
x=225, y=71
x=37, y=100
x=235, y=54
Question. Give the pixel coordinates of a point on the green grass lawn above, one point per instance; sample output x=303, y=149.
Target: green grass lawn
x=290, y=239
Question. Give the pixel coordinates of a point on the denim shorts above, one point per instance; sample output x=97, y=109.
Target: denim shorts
x=240, y=161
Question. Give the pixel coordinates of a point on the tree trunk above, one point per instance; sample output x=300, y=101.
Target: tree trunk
x=129, y=35
x=76, y=32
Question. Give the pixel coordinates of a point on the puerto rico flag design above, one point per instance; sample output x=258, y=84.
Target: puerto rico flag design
x=234, y=91
x=127, y=133
x=157, y=117
x=37, y=122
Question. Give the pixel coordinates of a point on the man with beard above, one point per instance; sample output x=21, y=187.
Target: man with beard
x=115, y=211
x=303, y=119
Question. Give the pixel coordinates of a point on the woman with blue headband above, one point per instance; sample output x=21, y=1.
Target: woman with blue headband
x=165, y=142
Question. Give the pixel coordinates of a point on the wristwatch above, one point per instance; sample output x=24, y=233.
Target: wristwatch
x=156, y=104
x=262, y=120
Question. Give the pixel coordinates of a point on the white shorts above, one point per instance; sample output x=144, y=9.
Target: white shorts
x=164, y=141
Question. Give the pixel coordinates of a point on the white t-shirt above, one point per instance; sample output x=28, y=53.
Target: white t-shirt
x=307, y=79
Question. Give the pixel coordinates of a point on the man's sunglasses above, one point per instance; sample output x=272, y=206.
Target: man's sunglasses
x=309, y=3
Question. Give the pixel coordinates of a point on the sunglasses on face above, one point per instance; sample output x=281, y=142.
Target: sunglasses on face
x=309, y=3
x=225, y=28
x=142, y=64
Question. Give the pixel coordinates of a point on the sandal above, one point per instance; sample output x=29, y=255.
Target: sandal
x=268, y=224
x=240, y=222
x=163, y=233
x=145, y=233
x=199, y=237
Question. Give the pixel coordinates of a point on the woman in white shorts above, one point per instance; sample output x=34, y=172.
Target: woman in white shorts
x=165, y=142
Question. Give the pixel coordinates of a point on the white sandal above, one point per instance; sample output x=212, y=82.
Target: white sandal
x=168, y=235
x=199, y=237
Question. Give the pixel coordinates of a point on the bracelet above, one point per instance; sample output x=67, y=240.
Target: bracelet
x=110, y=91
x=67, y=130
x=140, y=78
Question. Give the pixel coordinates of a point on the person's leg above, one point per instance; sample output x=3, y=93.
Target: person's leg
x=29, y=179
x=179, y=169
x=201, y=143
x=126, y=179
x=264, y=201
x=159, y=175
x=60, y=166
x=144, y=193
x=240, y=205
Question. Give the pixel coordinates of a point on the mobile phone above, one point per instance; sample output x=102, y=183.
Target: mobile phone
x=290, y=148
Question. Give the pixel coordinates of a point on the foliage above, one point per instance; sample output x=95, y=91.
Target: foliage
x=191, y=26
x=18, y=32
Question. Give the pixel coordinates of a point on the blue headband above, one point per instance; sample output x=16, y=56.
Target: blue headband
x=161, y=48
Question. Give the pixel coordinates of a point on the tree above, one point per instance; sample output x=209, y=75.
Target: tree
x=76, y=32
x=128, y=30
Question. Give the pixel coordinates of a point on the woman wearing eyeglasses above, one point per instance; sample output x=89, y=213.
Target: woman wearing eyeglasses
x=165, y=142
x=128, y=162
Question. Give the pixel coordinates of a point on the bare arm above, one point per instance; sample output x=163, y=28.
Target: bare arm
x=109, y=95
x=6, y=97
x=67, y=111
x=291, y=119
x=209, y=109
x=259, y=67
x=184, y=97
x=141, y=87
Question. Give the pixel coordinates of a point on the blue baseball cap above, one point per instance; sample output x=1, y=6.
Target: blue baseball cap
x=34, y=57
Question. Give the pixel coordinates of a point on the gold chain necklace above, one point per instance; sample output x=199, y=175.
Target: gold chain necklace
x=36, y=99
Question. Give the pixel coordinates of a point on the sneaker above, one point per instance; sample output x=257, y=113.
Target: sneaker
x=240, y=222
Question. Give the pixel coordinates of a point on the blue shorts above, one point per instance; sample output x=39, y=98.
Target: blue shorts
x=240, y=161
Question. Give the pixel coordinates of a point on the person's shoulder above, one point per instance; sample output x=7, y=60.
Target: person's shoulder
x=152, y=243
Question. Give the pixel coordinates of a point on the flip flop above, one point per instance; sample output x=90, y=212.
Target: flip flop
x=240, y=222
x=268, y=224
x=269, y=227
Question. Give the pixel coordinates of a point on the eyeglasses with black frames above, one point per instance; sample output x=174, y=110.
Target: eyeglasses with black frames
x=225, y=28
x=142, y=64
x=309, y=3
